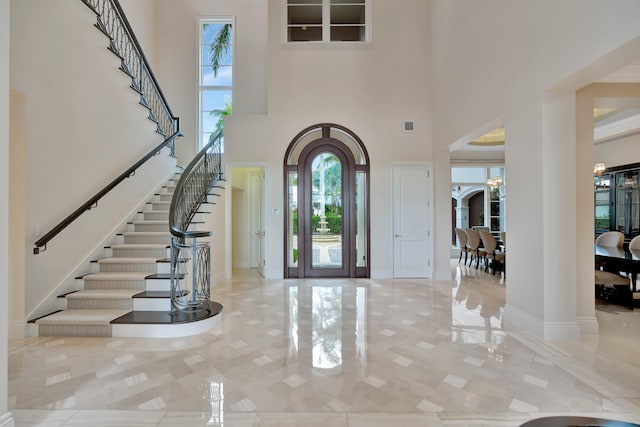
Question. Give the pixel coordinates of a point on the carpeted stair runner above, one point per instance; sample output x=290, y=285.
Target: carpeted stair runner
x=107, y=293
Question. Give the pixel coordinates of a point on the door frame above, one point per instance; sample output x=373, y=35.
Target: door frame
x=349, y=142
x=228, y=213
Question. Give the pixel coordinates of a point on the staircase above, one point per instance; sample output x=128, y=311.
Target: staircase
x=127, y=293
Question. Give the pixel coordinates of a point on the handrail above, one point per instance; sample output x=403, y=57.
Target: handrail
x=113, y=22
x=41, y=244
x=193, y=187
x=191, y=260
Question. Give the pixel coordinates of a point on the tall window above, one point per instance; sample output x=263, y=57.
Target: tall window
x=327, y=20
x=216, y=75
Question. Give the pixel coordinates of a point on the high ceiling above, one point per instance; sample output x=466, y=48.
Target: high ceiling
x=609, y=123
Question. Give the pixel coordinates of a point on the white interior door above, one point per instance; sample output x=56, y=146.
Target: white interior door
x=411, y=222
x=256, y=221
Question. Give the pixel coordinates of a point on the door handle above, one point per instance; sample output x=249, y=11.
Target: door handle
x=399, y=235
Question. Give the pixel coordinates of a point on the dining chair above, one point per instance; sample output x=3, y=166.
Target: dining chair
x=473, y=243
x=607, y=281
x=462, y=242
x=492, y=253
x=610, y=239
x=635, y=243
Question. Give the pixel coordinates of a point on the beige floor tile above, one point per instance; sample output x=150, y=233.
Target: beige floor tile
x=345, y=352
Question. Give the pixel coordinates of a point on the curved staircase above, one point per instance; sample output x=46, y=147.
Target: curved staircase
x=127, y=294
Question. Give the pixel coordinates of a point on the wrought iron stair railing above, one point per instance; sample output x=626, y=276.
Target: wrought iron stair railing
x=112, y=21
x=190, y=257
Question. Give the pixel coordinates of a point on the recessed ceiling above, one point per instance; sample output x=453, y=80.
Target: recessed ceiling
x=493, y=138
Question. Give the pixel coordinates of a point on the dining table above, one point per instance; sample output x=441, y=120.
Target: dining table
x=618, y=260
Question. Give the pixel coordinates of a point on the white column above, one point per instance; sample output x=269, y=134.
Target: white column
x=585, y=221
x=5, y=416
x=540, y=161
x=559, y=216
x=442, y=215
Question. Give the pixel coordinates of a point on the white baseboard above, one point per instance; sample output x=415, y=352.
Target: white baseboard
x=518, y=320
x=588, y=325
x=6, y=420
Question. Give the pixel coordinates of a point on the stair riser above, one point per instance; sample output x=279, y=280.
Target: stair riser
x=157, y=205
x=100, y=304
x=115, y=284
x=128, y=268
x=152, y=304
x=147, y=240
x=74, y=330
x=136, y=253
x=158, y=285
x=156, y=228
x=155, y=216
x=165, y=197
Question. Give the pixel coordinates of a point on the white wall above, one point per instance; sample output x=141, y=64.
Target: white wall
x=371, y=89
x=482, y=72
x=177, y=58
x=5, y=417
x=621, y=151
x=17, y=195
x=84, y=128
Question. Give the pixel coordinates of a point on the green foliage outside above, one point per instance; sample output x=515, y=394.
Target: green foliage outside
x=602, y=223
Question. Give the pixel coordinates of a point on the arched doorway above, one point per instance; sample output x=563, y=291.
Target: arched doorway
x=326, y=175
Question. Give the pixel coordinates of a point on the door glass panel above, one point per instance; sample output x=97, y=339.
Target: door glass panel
x=602, y=199
x=628, y=200
x=326, y=206
x=292, y=226
x=361, y=241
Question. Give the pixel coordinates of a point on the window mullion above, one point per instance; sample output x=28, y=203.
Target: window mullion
x=326, y=20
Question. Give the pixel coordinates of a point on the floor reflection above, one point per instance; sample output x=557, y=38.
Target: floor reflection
x=336, y=346
x=477, y=312
x=331, y=315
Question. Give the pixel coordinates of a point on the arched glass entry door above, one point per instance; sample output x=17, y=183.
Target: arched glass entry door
x=327, y=216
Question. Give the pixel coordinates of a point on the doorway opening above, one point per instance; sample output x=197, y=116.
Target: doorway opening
x=248, y=219
x=326, y=174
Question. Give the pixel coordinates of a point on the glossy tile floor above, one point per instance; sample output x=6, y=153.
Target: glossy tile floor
x=338, y=352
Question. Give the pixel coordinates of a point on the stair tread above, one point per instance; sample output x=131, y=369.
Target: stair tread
x=140, y=246
x=104, y=294
x=151, y=221
x=129, y=260
x=146, y=233
x=82, y=317
x=116, y=276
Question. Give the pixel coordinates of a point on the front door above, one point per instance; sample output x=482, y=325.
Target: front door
x=326, y=194
x=325, y=213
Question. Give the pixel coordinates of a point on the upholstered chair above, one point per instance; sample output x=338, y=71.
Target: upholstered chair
x=608, y=281
x=493, y=256
x=473, y=243
x=613, y=239
x=462, y=241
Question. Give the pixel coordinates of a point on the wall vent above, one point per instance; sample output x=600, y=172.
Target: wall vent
x=408, y=126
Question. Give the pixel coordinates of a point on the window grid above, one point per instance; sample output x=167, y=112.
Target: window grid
x=326, y=20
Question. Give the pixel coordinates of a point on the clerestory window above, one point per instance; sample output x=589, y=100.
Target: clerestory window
x=216, y=75
x=327, y=20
